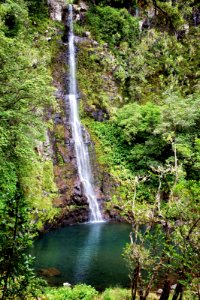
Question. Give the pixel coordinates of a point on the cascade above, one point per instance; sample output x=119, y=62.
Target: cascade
x=81, y=149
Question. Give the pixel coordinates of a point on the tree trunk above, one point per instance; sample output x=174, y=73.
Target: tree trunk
x=11, y=255
x=141, y=295
x=135, y=281
x=166, y=290
x=152, y=279
x=178, y=293
x=133, y=290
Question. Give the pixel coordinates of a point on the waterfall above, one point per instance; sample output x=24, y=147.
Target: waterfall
x=81, y=149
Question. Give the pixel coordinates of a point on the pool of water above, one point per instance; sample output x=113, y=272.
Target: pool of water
x=86, y=253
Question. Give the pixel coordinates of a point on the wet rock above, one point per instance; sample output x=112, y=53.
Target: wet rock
x=87, y=34
x=50, y=272
x=83, y=6
x=77, y=190
x=78, y=215
x=57, y=119
x=79, y=200
x=77, y=18
x=66, y=284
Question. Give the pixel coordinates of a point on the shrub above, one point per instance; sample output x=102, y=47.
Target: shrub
x=113, y=26
x=79, y=292
x=116, y=294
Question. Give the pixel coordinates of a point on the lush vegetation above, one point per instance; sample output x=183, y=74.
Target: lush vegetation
x=147, y=138
x=139, y=79
x=26, y=182
x=85, y=292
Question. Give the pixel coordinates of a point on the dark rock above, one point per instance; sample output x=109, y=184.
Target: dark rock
x=100, y=115
x=146, y=24
x=79, y=215
x=196, y=16
x=77, y=190
x=57, y=119
x=79, y=200
x=63, y=190
x=87, y=34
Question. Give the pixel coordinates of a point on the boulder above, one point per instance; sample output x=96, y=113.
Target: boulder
x=159, y=291
x=87, y=34
x=67, y=284
x=83, y=6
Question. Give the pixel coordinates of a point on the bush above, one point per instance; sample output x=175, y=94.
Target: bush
x=113, y=26
x=116, y=294
x=79, y=292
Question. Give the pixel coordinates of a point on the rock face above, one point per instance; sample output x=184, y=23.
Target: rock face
x=70, y=200
x=56, y=8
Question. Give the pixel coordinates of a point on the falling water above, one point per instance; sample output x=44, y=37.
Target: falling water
x=82, y=155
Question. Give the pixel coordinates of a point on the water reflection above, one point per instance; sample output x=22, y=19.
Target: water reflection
x=88, y=253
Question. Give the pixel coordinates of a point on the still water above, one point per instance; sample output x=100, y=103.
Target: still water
x=87, y=253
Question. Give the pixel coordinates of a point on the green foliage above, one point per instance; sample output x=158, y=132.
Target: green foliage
x=13, y=17
x=26, y=178
x=137, y=121
x=113, y=26
x=17, y=278
x=37, y=8
x=26, y=93
x=115, y=294
x=82, y=291
x=26, y=182
x=150, y=144
x=113, y=3
x=41, y=190
x=97, y=85
x=86, y=292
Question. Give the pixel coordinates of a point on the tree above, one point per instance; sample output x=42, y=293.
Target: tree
x=17, y=278
x=25, y=94
x=169, y=245
x=144, y=258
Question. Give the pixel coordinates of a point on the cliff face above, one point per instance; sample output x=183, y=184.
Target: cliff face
x=70, y=200
x=56, y=9
x=127, y=62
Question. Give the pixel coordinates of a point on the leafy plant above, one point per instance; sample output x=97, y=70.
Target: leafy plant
x=81, y=291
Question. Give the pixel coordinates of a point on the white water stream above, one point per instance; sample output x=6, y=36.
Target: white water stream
x=81, y=149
